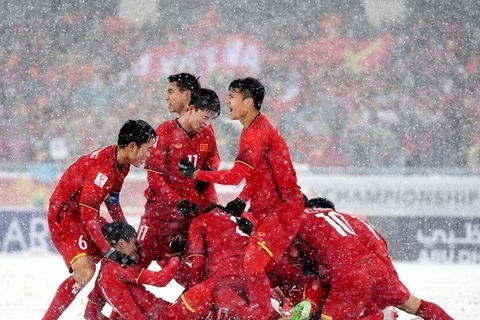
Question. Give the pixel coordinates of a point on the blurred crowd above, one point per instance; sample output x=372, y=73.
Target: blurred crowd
x=67, y=83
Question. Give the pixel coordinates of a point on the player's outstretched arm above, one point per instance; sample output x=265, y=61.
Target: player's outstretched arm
x=160, y=278
x=227, y=177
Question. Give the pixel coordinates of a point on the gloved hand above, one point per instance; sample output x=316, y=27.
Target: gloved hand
x=122, y=258
x=235, y=207
x=186, y=168
x=187, y=208
x=201, y=186
x=245, y=226
x=178, y=246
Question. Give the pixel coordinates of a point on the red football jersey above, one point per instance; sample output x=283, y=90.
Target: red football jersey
x=370, y=237
x=214, y=237
x=358, y=268
x=122, y=288
x=273, y=179
x=165, y=183
x=264, y=161
x=84, y=186
x=330, y=233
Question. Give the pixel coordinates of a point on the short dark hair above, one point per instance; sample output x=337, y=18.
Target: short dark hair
x=206, y=99
x=114, y=231
x=320, y=203
x=185, y=81
x=137, y=131
x=250, y=88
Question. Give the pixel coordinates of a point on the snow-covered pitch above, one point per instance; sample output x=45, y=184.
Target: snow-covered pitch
x=29, y=281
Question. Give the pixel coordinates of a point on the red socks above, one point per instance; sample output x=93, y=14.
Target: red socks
x=66, y=293
x=431, y=311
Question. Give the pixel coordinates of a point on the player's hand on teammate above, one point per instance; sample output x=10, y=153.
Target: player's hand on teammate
x=201, y=186
x=188, y=209
x=245, y=225
x=120, y=257
x=235, y=207
x=178, y=246
x=186, y=168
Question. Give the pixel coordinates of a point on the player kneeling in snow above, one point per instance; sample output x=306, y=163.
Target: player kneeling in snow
x=122, y=286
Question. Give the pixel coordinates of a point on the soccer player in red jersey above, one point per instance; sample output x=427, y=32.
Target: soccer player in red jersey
x=361, y=277
x=122, y=286
x=73, y=214
x=264, y=162
x=217, y=249
x=179, y=92
x=172, y=199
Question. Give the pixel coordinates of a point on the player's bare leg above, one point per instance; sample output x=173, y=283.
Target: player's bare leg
x=83, y=271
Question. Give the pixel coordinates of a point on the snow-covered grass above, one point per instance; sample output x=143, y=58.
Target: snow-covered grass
x=29, y=281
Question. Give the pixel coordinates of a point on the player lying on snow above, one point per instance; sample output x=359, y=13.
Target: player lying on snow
x=352, y=262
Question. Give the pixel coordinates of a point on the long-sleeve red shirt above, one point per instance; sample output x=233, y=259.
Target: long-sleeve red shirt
x=165, y=183
x=264, y=161
x=84, y=187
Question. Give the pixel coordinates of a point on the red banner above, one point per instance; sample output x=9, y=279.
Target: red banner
x=227, y=55
x=237, y=53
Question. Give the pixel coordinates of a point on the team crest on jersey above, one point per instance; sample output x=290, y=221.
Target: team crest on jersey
x=100, y=180
x=178, y=145
x=203, y=147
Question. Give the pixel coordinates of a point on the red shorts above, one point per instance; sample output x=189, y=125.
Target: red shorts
x=154, y=235
x=275, y=232
x=72, y=240
x=387, y=288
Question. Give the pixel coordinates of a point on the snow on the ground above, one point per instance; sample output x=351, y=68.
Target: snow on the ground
x=28, y=282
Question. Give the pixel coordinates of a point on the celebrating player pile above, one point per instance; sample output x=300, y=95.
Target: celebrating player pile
x=287, y=257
